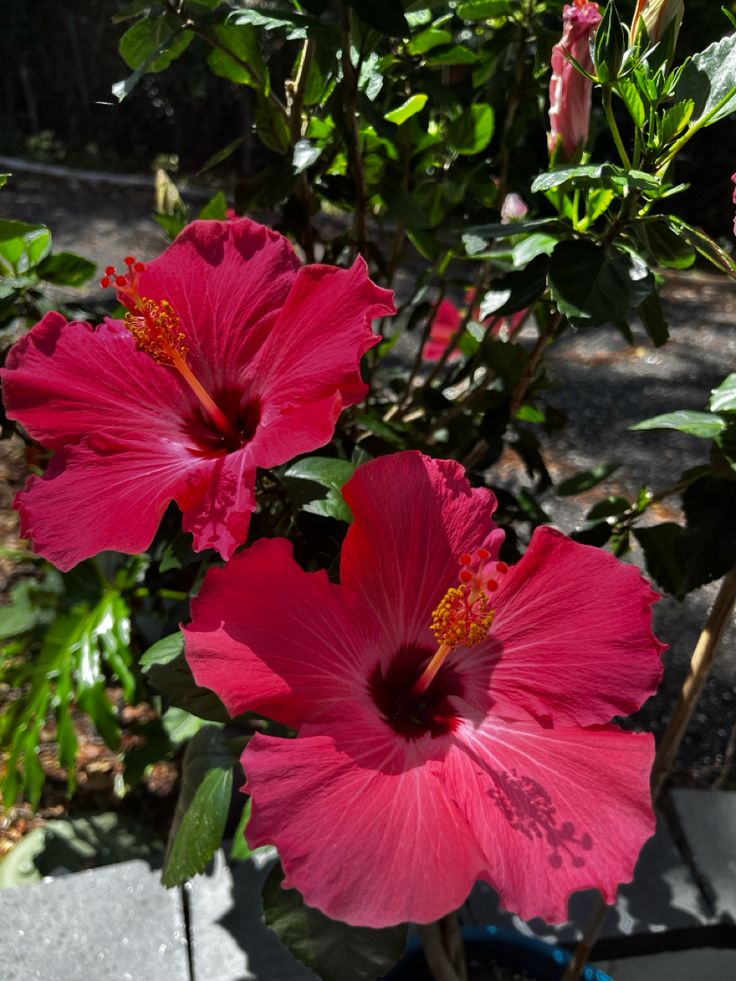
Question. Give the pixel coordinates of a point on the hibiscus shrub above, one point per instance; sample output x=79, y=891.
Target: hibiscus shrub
x=283, y=439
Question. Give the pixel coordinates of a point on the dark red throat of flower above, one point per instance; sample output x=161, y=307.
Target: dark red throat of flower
x=159, y=332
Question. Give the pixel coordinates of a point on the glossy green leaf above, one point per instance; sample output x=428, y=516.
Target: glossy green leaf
x=413, y=105
x=216, y=207
x=633, y=101
x=272, y=127
x=153, y=43
x=66, y=269
x=483, y=9
x=472, y=131
x=311, y=474
x=458, y=54
x=586, y=479
x=723, y=398
x=425, y=41
x=238, y=56
x=674, y=120
x=594, y=175
x=700, y=424
x=709, y=79
x=708, y=543
x=593, y=287
x=607, y=508
x=663, y=244
x=705, y=245
x=22, y=246
x=335, y=951
x=515, y=291
x=662, y=544
x=202, y=808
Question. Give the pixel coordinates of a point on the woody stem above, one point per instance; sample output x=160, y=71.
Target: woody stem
x=207, y=402
x=430, y=672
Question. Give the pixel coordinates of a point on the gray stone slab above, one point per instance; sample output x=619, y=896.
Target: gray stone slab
x=663, y=896
x=112, y=924
x=704, y=964
x=708, y=820
x=229, y=941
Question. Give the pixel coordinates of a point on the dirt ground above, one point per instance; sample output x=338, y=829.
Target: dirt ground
x=603, y=383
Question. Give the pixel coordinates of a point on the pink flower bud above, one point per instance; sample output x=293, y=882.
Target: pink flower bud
x=657, y=15
x=570, y=92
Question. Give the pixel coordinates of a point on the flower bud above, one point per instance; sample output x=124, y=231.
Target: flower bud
x=656, y=16
x=610, y=44
x=570, y=91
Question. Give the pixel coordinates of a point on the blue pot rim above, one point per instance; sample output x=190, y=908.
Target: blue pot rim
x=539, y=951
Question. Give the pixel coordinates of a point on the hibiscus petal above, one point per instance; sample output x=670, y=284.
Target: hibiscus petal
x=102, y=494
x=269, y=637
x=319, y=337
x=553, y=810
x=286, y=432
x=226, y=280
x=414, y=518
x=364, y=838
x=63, y=381
x=217, y=508
x=573, y=628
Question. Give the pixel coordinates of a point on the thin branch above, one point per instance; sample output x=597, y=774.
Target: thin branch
x=350, y=88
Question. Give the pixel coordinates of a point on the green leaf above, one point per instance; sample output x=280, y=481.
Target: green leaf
x=484, y=9
x=708, y=544
x=4, y=179
x=632, y=100
x=272, y=127
x=515, y=291
x=168, y=671
x=240, y=850
x=66, y=269
x=709, y=78
x=202, y=808
x=223, y=154
x=458, y=54
x=591, y=287
x=433, y=37
x=586, y=479
x=153, y=43
x=335, y=951
x=652, y=316
x=216, y=207
x=472, y=131
x=22, y=246
x=700, y=424
x=324, y=472
x=661, y=545
x=594, y=175
x=413, y=105
x=723, y=398
x=607, y=508
x=674, y=121
x=705, y=245
x=239, y=58
x=663, y=244
x=506, y=359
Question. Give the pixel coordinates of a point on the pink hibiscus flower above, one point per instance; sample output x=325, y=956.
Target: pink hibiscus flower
x=231, y=357
x=452, y=712
x=448, y=320
x=570, y=92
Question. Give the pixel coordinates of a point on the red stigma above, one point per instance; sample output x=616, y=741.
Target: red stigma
x=466, y=559
x=466, y=576
x=120, y=280
x=105, y=282
x=139, y=267
x=109, y=270
x=484, y=554
x=492, y=585
x=129, y=260
x=501, y=567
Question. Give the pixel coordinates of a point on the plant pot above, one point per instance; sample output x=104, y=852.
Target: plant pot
x=505, y=948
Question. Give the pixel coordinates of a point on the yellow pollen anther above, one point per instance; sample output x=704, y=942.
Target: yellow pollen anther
x=158, y=331
x=463, y=616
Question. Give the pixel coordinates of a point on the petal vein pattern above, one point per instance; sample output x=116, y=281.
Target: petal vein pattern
x=483, y=757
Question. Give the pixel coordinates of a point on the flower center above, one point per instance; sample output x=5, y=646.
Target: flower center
x=413, y=716
x=464, y=615
x=158, y=331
